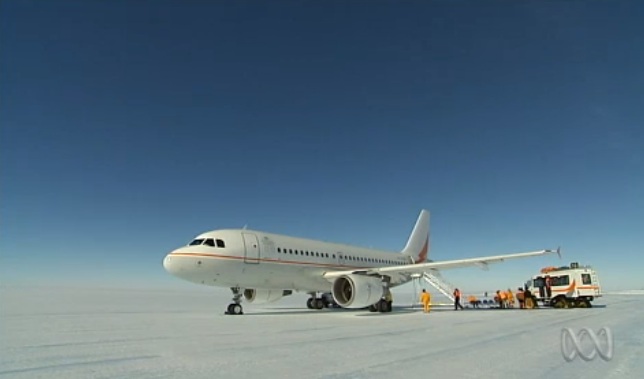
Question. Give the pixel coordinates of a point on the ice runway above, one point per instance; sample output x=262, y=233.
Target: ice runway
x=94, y=333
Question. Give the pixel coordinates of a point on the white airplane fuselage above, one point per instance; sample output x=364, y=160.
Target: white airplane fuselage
x=254, y=259
x=263, y=267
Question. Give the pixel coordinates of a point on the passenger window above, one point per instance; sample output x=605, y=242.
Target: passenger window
x=220, y=243
x=585, y=278
x=560, y=280
x=290, y=251
x=279, y=250
x=209, y=242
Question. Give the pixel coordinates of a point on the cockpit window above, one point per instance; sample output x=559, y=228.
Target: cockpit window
x=197, y=241
x=209, y=242
x=220, y=243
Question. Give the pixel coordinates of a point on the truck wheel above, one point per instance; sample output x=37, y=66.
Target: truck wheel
x=560, y=302
x=529, y=303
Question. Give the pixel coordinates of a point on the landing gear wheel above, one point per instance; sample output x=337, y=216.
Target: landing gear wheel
x=383, y=306
x=373, y=307
x=315, y=303
x=234, y=309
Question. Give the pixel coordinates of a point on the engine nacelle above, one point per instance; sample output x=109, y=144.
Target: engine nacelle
x=357, y=291
x=259, y=296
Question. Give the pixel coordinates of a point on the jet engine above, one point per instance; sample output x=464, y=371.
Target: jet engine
x=357, y=291
x=260, y=296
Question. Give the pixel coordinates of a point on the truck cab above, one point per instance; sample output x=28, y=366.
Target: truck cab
x=571, y=286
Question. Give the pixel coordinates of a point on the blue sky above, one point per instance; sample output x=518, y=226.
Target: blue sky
x=129, y=127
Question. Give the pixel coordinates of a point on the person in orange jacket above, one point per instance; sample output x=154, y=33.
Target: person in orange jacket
x=510, y=296
x=457, y=299
x=425, y=298
x=500, y=298
x=504, y=299
x=474, y=302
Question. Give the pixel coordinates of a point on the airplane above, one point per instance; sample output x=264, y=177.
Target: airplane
x=264, y=267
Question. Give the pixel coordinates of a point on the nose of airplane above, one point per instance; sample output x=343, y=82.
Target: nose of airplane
x=168, y=264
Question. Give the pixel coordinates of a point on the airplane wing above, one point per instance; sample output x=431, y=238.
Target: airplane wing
x=422, y=267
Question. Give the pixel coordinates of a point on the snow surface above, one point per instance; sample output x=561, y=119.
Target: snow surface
x=107, y=333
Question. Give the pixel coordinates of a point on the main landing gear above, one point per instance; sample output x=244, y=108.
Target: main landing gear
x=324, y=301
x=383, y=305
x=235, y=307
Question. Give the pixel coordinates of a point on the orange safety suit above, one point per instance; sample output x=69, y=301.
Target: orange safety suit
x=425, y=298
x=510, y=298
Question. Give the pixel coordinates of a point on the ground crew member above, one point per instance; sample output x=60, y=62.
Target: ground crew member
x=457, y=299
x=473, y=301
x=501, y=298
x=548, y=284
x=510, y=296
x=425, y=298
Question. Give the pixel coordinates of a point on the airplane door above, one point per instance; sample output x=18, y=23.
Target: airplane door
x=251, y=246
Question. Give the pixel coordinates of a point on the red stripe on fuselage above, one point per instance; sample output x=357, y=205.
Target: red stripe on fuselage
x=217, y=256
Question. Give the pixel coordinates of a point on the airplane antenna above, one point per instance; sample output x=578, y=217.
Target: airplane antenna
x=245, y=226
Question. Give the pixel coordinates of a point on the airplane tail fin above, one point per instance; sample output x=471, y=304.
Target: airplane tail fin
x=418, y=243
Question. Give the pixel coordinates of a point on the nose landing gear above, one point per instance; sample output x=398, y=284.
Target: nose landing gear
x=235, y=307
